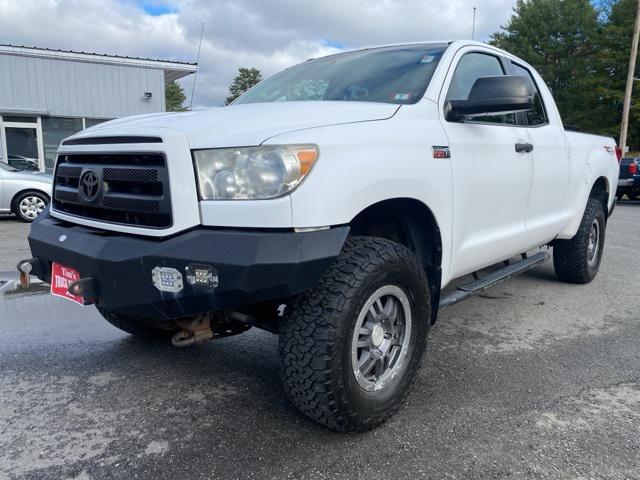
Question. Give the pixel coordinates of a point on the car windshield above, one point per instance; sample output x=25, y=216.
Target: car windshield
x=397, y=75
x=8, y=168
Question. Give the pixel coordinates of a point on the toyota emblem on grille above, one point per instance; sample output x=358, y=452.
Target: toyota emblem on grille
x=89, y=186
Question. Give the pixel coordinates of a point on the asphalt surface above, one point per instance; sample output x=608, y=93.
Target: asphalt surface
x=13, y=246
x=534, y=379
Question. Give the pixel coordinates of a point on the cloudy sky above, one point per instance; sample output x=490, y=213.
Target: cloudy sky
x=267, y=34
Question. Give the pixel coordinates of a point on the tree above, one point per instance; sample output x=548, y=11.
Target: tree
x=560, y=39
x=246, y=78
x=612, y=64
x=174, y=98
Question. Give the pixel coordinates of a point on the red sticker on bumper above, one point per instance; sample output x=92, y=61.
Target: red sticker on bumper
x=61, y=278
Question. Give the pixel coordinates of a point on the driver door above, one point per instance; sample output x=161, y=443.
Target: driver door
x=491, y=180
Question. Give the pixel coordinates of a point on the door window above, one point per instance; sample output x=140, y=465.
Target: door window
x=537, y=116
x=470, y=68
x=22, y=147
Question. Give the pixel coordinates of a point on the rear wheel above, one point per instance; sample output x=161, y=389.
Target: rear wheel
x=351, y=348
x=138, y=327
x=578, y=260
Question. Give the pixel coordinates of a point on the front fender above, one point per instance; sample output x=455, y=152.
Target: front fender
x=366, y=163
x=15, y=187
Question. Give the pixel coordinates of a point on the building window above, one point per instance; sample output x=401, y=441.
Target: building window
x=54, y=130
x=90, y=122
x=19, y=119
x=22, y=147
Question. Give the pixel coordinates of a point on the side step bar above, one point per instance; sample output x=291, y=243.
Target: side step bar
x=467, y=290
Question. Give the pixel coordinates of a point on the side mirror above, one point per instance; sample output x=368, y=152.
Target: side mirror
x=495, y=96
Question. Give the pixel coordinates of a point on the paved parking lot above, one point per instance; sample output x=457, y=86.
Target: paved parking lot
x=13, y=246
x=534, y=379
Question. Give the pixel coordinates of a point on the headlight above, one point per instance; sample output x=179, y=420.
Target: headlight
x=252, y=173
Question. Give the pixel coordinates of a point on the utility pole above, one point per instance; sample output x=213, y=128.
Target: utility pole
x=627, y=94
x=473, y=30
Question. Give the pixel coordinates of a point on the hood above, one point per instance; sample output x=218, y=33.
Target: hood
x=31, y=176
x=246, y=125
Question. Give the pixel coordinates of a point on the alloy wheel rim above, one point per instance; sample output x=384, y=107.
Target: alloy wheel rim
x=594, y=243
x=381, y=338
x=31, y=207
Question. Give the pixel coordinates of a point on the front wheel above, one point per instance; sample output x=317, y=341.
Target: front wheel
x=351, y=348
x=28, y=205
x=578, y=260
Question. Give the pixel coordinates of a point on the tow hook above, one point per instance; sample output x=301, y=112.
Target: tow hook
x=25, y=267
x=194, y=330
x=83, y=288
x=210, y=326
x=24, y=279
x=23, y=282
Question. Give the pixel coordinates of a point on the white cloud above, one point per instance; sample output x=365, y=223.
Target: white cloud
x=267, y=34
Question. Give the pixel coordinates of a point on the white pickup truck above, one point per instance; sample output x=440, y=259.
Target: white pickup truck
x=332, y=204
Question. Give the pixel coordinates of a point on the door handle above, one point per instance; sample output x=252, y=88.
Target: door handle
x=524, y=148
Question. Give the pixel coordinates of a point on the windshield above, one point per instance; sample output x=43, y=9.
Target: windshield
x=397, y=75
x=8, y=168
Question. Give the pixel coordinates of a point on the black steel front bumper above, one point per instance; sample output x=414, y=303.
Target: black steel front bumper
x=252, y=265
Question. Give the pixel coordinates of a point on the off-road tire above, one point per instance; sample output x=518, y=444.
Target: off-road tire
x=138, y=327
x=316, y=336
x=570, y=257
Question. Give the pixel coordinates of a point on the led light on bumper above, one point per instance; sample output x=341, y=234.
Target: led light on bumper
x=167, y=279
x=202, y=276
x=252, y=173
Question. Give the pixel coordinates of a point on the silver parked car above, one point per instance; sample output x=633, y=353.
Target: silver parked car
x=22, y=163
x=24, y=193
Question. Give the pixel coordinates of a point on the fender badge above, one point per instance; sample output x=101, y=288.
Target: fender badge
x=441, y=152
x=62, y=238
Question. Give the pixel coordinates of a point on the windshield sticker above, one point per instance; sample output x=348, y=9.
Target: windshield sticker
x=427, y=59
x=402, y=96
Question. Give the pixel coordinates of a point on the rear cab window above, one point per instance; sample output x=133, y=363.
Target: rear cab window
x=537, y=116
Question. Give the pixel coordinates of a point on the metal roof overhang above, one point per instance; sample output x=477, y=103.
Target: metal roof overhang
x=172, y=70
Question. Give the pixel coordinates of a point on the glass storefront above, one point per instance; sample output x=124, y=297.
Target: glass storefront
x=31, y=142
x=22, y=147
x=54, y=130
x=19, y=142
x=91, y=122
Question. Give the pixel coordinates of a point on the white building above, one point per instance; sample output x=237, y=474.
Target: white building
x=47, y=95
